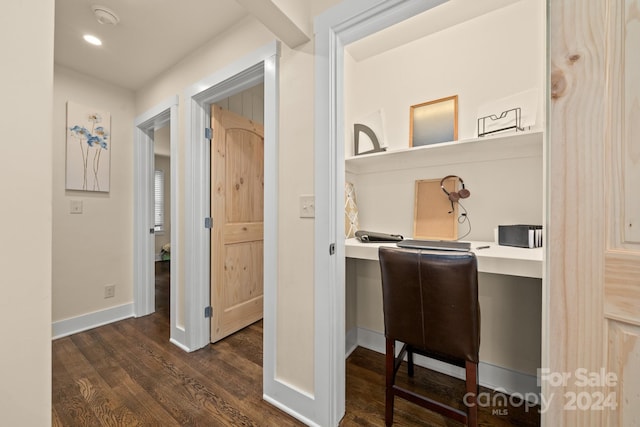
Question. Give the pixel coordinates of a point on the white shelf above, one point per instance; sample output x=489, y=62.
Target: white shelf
x=514, y=145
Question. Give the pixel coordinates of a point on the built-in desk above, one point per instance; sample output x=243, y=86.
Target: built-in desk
x=510, y=314
x=495, y=259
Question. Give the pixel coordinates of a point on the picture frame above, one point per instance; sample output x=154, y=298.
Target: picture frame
x=434, y=122
x=88, y=149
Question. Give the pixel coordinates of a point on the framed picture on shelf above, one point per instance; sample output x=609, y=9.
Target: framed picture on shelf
x=434, y=122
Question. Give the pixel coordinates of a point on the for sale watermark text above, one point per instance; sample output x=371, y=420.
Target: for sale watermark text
x=590, y=390
x=586, y=391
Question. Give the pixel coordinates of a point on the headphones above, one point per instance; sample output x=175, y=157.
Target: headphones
x=454, y=196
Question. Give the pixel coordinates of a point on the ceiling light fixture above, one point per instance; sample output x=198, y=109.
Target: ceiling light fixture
x=105, y=15
x=92, y=39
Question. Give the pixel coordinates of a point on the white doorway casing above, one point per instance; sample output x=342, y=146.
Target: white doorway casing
x=144, y=252
x=242, y=74
x=261, y=65
x=345, y=23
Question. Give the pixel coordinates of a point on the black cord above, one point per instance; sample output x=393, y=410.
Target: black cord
x=462, y=218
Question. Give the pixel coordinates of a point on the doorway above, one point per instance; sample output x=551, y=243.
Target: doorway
x=162, y=219
x=162, y=116
x=339, y=26
x=261, y=65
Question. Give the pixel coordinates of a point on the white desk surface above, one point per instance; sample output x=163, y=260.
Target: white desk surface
x=494, y=259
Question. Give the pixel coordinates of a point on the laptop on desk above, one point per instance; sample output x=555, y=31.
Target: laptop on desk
x=438, y=245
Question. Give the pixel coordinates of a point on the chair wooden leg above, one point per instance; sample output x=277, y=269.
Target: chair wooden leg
x=390, y=372
x=472, y=393
x=410, y=361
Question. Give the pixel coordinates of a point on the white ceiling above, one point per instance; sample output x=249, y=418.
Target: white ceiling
x=446, y=15
x=152, y=35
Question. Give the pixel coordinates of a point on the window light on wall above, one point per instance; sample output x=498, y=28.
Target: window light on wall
x=158, y=179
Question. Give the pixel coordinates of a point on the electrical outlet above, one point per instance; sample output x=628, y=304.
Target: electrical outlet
x=110, y=291
x=307, y=206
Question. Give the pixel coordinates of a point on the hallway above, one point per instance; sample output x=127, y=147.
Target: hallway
x=128, y=374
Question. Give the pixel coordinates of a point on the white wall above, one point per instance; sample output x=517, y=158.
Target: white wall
x=295, y=322
x=26, y=83
x=227, y=47
x=95, y=248
x=460, y=60
x=295, y=326
x=490, y=57
x=162, y=141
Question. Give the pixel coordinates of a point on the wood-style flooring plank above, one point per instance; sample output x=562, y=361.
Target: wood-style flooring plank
x=233, y=387
x=189, y=401
x=108, y=364
x=68, y=403
x=365, y=397
x=128, y=373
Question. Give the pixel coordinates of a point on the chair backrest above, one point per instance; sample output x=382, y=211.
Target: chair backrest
x=430, y=301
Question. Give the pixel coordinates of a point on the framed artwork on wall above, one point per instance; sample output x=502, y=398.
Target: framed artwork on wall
x=434, y=121
x=88, y=155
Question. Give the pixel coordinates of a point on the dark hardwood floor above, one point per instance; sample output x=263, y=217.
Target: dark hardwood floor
x=128, y=374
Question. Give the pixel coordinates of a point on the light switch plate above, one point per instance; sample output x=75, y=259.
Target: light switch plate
x=75, y=206
x=307, y=206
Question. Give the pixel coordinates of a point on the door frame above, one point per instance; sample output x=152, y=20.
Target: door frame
x=242, y=74
x=253, y=68
x=143, y=242
x=344, y=23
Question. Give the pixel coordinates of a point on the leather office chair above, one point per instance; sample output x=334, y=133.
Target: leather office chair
x=430, y=302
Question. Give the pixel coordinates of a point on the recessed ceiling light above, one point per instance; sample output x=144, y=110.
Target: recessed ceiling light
x=92, y=39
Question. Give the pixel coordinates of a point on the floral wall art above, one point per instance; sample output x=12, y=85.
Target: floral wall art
x=88, y=148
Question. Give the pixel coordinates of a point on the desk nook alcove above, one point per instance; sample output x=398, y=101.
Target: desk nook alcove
x=481, y=59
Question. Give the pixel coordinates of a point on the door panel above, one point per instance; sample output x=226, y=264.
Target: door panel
x=624, y=359
x=594, y=257
x=631, y=140
x=622, y=257
x=577, y=209
x=622, y=287
x=243, y=262
x=237, y=197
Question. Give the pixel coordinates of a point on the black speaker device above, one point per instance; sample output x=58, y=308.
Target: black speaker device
x=520, y=235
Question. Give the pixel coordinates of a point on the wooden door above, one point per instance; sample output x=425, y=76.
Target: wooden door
x=594, y=222
x=237, y=198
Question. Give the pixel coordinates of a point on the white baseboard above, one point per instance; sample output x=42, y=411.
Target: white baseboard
x=73, y=325
x=352, y=341
x=178, y=338
x=286, y=396
x=179, y=345
x=490, y=376
x=289, y=411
